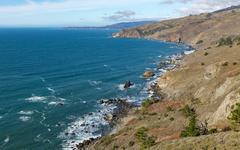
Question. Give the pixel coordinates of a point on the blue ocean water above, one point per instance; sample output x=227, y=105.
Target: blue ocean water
x=51, y=77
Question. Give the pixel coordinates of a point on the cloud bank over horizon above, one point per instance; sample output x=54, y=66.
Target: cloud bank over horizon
x=95, y=12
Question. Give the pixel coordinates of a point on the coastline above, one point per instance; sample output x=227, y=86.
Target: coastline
x=170, y=63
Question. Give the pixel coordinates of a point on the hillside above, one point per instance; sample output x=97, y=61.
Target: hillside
x=199, y=106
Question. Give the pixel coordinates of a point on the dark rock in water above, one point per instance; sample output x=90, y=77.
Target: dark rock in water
x=128, y=84
x=73, y=134
x=60, y=104
x=90, y=114
x=148, y=74
x=162, y=64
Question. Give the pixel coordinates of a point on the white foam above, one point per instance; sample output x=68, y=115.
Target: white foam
x=6, y=140
x=189, y=52
x=98, y=88
x=55, y=103
x=52, y=103
x=92, y=125
x=105, y=65
x=121, y=87
x=27, y=112
x=36, y=98
x=1, y=117
x=51, y=89
x=94, y=83
x=24, y=118
x=42, y=79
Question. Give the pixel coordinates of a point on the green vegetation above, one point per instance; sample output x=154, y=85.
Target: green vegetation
x=199, y=42
x=115, y=147
x=229, y=41
x=187, y=111
x=225, y=42
x=142, y=136
x=131, y=143
x=192, y=129
x=169, y=108
x=211, y=131
x=202, y=64
x=148, y=102
x=106, y=140
x=235, y=114
x=171, y=119
x=234, y=63
x=206, y=53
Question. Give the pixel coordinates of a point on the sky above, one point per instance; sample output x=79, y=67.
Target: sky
x=57, y=13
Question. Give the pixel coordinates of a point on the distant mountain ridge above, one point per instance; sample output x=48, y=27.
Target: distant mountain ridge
x=121, y=25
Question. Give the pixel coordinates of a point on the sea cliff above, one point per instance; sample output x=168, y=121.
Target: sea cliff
x=198, y=108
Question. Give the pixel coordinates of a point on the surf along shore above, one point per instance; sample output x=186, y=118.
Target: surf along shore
x=199, y=100
x=123, y=112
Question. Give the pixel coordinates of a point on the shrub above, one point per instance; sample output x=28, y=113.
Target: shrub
x=171, y=119
x=148, y=102
x=202, y=64
x=235, y=114
x=225, y=64
x=169, y=108
x=187, y=111
x=141, y=135
x=131, y=143
x=115, y=147
x=206, y=53
x=225, y=41
x=192, y=129
x=234, y=63
x=199, y=42
x=106, y=140
x=211, y=131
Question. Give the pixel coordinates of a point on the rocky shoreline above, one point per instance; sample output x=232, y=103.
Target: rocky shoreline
x=124, y=107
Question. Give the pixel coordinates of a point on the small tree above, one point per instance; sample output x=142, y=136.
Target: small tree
x=192, y=129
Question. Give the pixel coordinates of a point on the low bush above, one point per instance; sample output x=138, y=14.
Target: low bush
x=187, y=111
x=235, y=114
x=106, y=140
x=225, y=64
x=169, y=109
x=192, y=129
x=199, y=42
x=206, y=53
x=211, y=131
x=142, y=136
x=225, y=42
x=148, y=102
x=131, y=143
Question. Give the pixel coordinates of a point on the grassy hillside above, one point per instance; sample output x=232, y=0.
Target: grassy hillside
x=200, y=106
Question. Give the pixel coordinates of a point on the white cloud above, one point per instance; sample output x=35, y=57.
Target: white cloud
x=126, y=15
x=200, y=6
x=68, y=5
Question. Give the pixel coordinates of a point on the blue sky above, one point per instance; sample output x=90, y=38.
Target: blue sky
x=99, y=12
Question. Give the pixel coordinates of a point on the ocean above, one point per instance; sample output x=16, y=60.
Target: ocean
x=51, y=80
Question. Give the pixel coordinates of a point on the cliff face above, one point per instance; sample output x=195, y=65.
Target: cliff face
x=199, y=96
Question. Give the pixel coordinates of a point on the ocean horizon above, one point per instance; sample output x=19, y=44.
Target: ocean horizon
x=52, y=79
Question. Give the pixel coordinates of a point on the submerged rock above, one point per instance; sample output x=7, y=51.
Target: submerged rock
x=128, y=84
x=148, y=74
